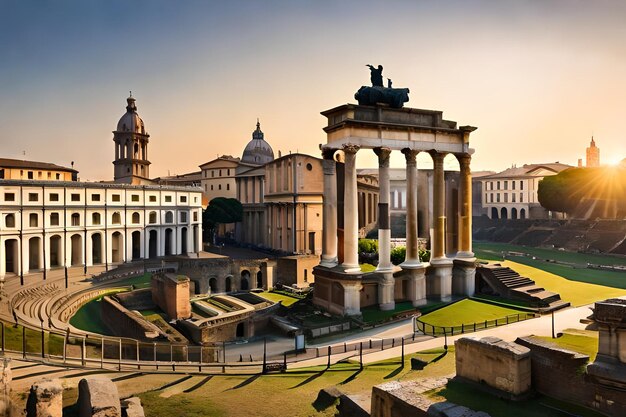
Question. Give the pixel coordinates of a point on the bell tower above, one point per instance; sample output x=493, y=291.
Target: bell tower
x=131, y=165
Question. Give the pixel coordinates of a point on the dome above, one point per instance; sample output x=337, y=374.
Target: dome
x=130, y=121
x=257, y=151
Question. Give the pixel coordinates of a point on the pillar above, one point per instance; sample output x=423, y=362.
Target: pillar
x=352, y=298
x=329, y=228
x=465, y=216
x=384, y=227
x=412, y=251
x=350, y=212
x=441, y=267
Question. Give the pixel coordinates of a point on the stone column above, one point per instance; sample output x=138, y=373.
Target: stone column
x=465, y=218
x=329, y=228
x=441, y=273
x=412, y=252
x=350, y=212
x=384, y=227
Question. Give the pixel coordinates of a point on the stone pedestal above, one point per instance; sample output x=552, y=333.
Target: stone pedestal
x=417, y=285
x=440, y=278
x=386, y=290
x=352, y=298
x=463, y=280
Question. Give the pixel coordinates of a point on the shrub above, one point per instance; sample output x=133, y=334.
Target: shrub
x=398, y=254
x=368, y=246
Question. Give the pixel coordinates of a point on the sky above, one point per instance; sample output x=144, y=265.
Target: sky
x=538, y=78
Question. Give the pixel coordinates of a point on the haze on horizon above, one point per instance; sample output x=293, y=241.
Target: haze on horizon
x=537, y=78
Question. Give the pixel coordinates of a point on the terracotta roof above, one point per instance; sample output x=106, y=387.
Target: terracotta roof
x=18, y=163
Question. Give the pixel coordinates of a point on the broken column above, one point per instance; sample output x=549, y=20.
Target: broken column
x=45, y=399
x=98, y=397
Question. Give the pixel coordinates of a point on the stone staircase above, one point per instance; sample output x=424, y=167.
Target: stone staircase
x=506, y=283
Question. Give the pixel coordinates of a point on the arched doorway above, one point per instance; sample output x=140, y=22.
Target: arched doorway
x=77, y=250
x=494, y=213
x=240, y=330
x=522, y=213
x=96, y=248
x=229, y=285
x=259, y=279
x=117, y=248
x=34, y=253
x=183, y=243
x=213, y=285
x=245, y=280
x=503, y=213
x=153, y=244
x=136, y=242
x=514, y=213
x=55, y=251
x=168, y=242
x=11, y=256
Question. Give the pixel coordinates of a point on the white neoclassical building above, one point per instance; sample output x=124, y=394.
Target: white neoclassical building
x=45, y=224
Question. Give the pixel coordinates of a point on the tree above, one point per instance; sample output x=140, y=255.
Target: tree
x=221, y=210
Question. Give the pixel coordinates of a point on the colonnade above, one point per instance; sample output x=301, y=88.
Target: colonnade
x=438, y=273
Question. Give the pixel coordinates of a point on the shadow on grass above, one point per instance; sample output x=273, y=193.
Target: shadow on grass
x=244, y=383
x=440, y=357
x=309, y=379
x=351, y=377
x=395, y=371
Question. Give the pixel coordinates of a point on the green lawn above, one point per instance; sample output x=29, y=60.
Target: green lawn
x=367, y=268
x=275, y=297
x=140, y=281
x=577, y=293
x=89, y=318
x=575, y=270
x=581, y=341
x=466, y=312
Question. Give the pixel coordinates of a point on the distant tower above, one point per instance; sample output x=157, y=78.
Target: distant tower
x=131, y=165
x=593, y=155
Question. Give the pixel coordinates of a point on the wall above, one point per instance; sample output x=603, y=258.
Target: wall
x=296, y=270
x=171, y=293
x=125, y=323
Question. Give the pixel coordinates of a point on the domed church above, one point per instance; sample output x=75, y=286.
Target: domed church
x=131, y=165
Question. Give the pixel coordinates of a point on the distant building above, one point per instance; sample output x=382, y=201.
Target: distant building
x=593, y=155
x=16, y=169
x=218, y=177
x=512, y=193
x=131, y=165
x=477, y=193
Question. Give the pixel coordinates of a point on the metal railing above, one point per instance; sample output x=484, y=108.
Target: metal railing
x=434, y=330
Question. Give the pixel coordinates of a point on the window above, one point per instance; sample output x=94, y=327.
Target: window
x=169, y=217
x=498, y=197
x=183, y=217
x=195, y=199
x=521, y=197
x=220, y=172
x=116, y=219
x=228, y=172
x=75, y=219
x=513, y=197
x=33, y=197
x=116, y=198
x=512, y=185
x=30, y=175
x=219, y=187
x=95, y=218
x=135, y=218
x=212, y=174
x=195, y=216
x=152, y=198
x=153, y=217
x=521, y=185
x=9, y=220
x=134, y=197
x=39, y=175
x=58, y=176
x=49, y=175
x=33, y=220
x=75, y=197
x=211, y=187
x=54, y=219
x=95, y=197
x=492, y=197
x=506, y=185
x=227, y=187
x=183, y=199
x=9, y=196
x=506, y=197
x=168, y=198
x=54, y=197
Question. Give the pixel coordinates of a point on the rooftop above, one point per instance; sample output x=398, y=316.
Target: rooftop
x=22, y=164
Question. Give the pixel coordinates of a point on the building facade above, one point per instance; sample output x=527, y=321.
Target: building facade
x=218, y=177
x=46, y=225
x=16, y=169
x=512, y=193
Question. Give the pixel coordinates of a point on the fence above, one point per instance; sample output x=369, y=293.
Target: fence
x=429, y=329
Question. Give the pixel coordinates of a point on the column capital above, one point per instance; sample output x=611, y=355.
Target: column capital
x=438, y=157
x=328, y=153
x=383, y=154
x=351, y=148
x=329, y=166
x=464, y=160
x=410, y=155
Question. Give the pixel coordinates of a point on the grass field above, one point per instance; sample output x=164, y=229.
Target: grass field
x=89, y=318
x=575, y=270
x=275, y=297
x=581, y=341
x=466, y=312
x=577, y=293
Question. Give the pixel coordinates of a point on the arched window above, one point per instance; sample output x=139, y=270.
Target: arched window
x=116, y=219
x=75, y=219
x=135, y=218
x=153, y=217
x=9, y=220
x=169, y=217
x=95, y=218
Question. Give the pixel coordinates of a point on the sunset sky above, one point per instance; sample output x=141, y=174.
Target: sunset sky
x=537, y=78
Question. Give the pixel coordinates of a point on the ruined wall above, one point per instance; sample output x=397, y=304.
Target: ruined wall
x=137, y=300
x=562, y=374
x=297, y=270
x=171, y=293
x=501, y=365
x=226, y=273
x=125, y=323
